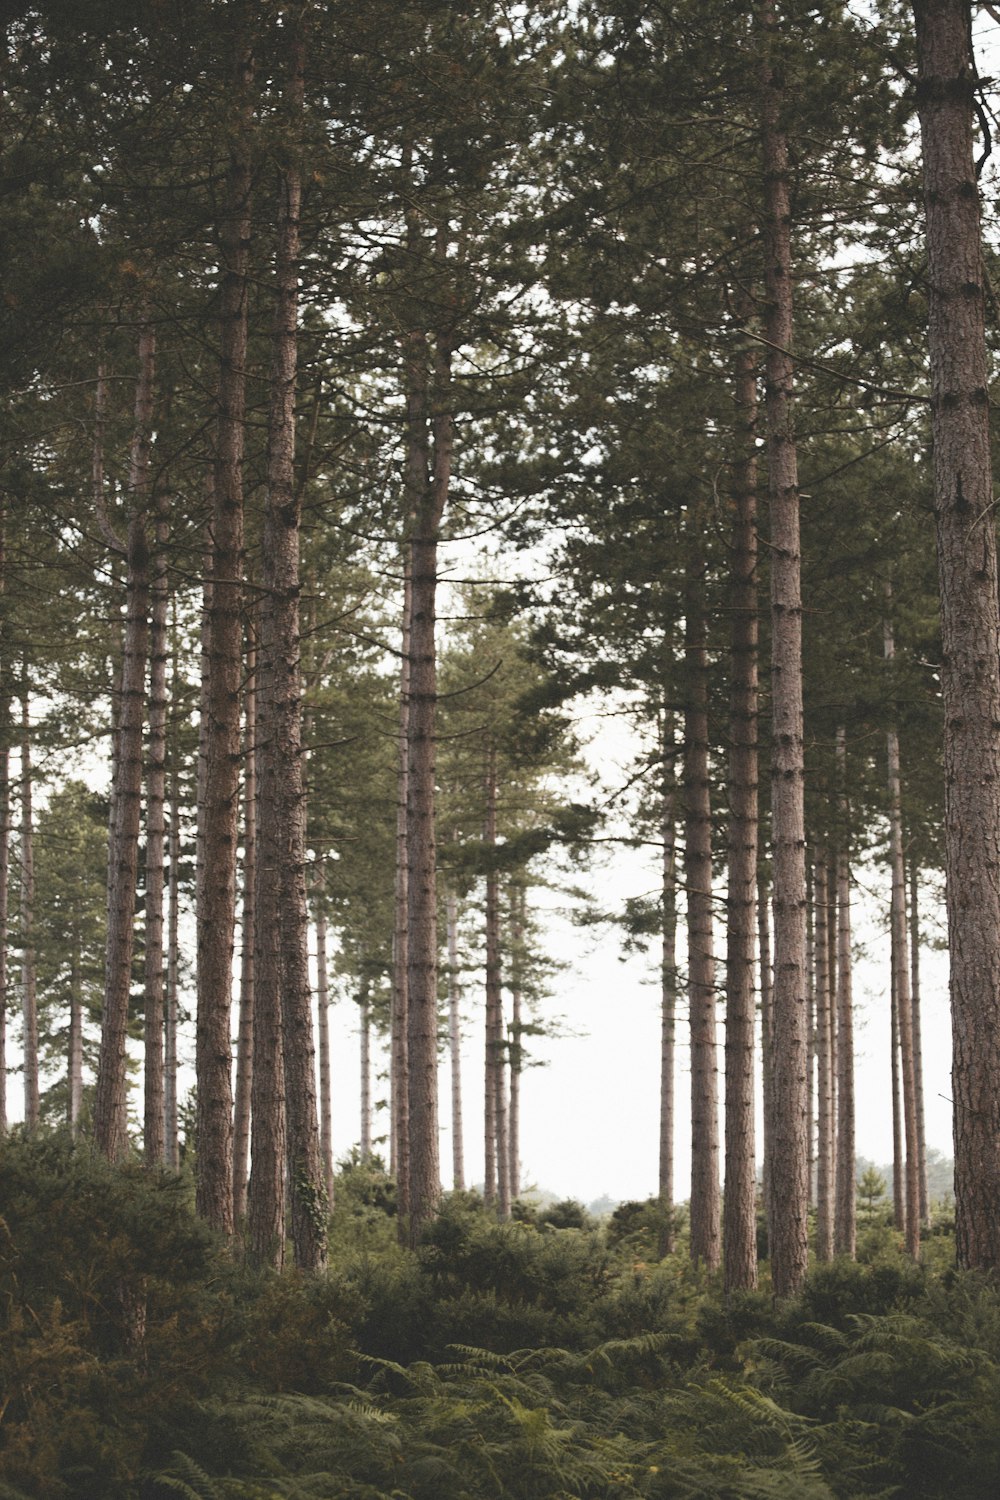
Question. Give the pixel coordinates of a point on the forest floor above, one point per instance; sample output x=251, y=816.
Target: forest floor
x=546, y=1359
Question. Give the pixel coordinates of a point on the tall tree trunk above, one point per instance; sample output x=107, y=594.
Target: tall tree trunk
x=218, y=810
x=668, y=982
x=244, y=1036
x=705, y=1200
x=811, y=1054
x=845, y=1217
x=518, y=923
x=455, y=1044
x=963, y=503
x=110, y=1110
x=426, y=419
x=901, y=968
x=789, y=1242
x=895, y=1089
x=825, y=1080
x=364, y=1006
x=740, y=1201
x=170, y=1133
x=74, y=1050
x=323, y=1035
x=280, y=909
x=29, y=1002
x=918, y=1051
x=766, y=1042
x=399, y=1073
x=5, y=732
x=497, y=1190
x=156, y=787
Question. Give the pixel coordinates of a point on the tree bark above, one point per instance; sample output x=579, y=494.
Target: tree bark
x=790, y=1183
x=518, y=923
x=323, y=1036
x=244, y=1036
x=5, y=732
x=110, y=1106
x=740, y=1201
x=825, y=1078
x=497, y=1184
x=705, y=1199
x=845, y=1216
x=171, y=1142
x=280, y=907
x=74, y=1050
x=668, y=983
x=963, y=503
x=901, y=968
x=218, y=811
x=156, y=787
x=29, y=1001
x=455, y=1045
x=399, y=1073
x=766, y=1041
x=918, y=1054
x=364, y=1007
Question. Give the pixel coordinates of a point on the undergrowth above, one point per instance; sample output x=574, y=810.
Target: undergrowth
x=525, y=1361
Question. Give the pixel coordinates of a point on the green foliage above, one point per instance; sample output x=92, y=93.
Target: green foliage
x=499, y=1360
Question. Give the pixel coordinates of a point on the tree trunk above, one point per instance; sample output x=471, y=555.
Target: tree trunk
x=740, y=1201
x=244, y=1035
x=156, y=787
x=323, y=1036
x=845, y=1218
x=705, y=1202
x=399, y=1073
x=280, y=908
x=963, y=503
x=918, y=1054
x=901, y=968
x=898, y=1149
x=110, y=1107
x=497, y=1188
x=74, y=1050
x=218, y=811
x=171, y=1143
x=766, y=1041
x=430, y=493
x=668, y=983
x=5, y=731
x=789, y=1241
x=518, y=924
x=455, y=1045
x=825, y=1135
x=364, y=1006
x=29, y=1001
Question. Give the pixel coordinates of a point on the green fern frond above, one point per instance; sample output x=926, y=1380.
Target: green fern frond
x=186, y=1478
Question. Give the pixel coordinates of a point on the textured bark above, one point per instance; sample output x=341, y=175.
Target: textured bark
x=811, y=982
x=790, y=1182
x=364, y=1007
x=963, y=503
x=518, y=921
x=5, y=730
x=156, y=788
x=766, y=1039
x=918, y=1053
x=171, y=1145
x=455, y=1045
x=4, y=903
x=845, y=1217
x=497, y=1182
x=74, y=1050
x=825, y=1080
x=435, y=421
x=323, y=1040
x=901, y=971
x=740, y=1202
x=244, y=1036
x=110, y=1111
x=219, y=772
x=29, y=1002
x=895, y=1091
x=280, y=907
x=705, y=1197
x=399, y=1076
x=668, y=985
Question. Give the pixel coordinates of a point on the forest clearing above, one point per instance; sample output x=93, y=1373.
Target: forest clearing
x=390, y=392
